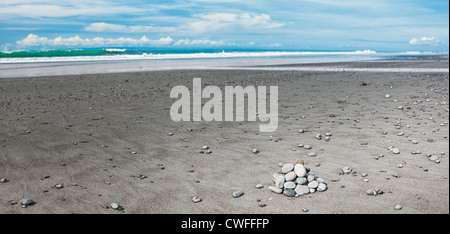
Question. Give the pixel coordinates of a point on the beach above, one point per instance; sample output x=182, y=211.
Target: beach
x=78, y=143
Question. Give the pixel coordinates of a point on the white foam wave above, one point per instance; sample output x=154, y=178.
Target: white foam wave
x=116, y=50
x=146, y=56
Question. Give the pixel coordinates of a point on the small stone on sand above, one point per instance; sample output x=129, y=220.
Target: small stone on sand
x=275, y=189
x=238, y=194
x=299, y=161
x=289, y=193
x=287, y=167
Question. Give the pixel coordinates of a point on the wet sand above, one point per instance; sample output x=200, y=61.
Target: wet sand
x=81, y=131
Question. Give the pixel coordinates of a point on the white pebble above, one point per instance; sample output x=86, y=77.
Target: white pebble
x=287, y=167
x=115, y=206
x=196, y=199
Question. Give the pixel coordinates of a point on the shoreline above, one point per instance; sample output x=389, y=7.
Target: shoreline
x=94, y=134
x=420, y=64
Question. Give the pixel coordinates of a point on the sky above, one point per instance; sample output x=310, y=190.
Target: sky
x=379, y=25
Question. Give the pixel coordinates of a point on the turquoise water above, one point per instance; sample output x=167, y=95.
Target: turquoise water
x=124, y=54
x=118, y=60
x=102, y=54
x=106, y=52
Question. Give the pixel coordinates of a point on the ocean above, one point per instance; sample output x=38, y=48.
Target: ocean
x=109, y=54
x=114, y=60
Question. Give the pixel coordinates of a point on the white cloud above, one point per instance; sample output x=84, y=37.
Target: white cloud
x=33, y=40
x=105, y=27
x=188, y=42
x=424, y=41
x=219, y=21
x=201, y=23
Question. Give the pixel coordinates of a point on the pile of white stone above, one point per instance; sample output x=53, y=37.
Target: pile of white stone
x=294, y=180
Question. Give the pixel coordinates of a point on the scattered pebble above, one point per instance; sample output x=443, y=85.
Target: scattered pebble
x=374, y=192
x=196, y=199
x=141, y=176
x=255, y=151
x=3, y=180
x=347, y=170
x=238, y=194
x=434, y=158
x=27, y=202
x=307, y=147
x=116, y=206
x=398, y=207
x=259, y=186
x=395, y=150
